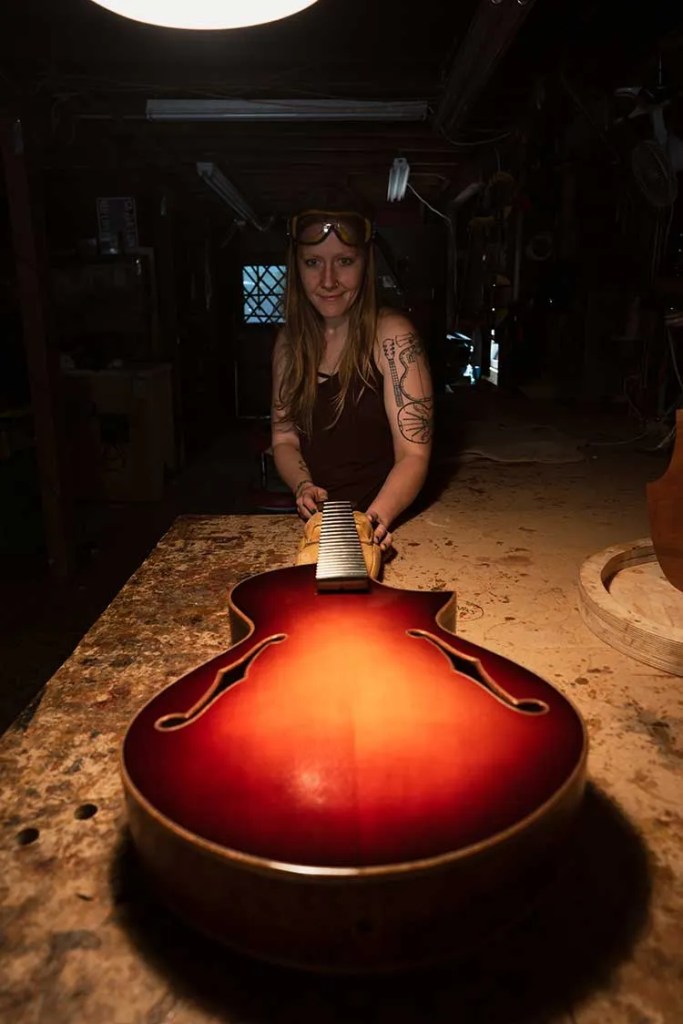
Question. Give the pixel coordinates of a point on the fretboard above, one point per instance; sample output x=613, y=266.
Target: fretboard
x=341, y=565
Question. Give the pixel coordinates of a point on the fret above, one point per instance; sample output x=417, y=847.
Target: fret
x=341, y=565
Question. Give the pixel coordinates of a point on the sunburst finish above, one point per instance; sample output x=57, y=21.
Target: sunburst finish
x=348, y=732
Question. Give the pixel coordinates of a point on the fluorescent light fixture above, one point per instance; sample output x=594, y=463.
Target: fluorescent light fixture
x=225, y=190
x=286, y=110
x=398, y=179
x=204, y=14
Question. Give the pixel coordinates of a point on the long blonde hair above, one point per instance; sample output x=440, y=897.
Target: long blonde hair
x=304, y=344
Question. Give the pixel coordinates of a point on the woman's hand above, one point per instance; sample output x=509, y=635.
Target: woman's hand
x=381, y=532
x=309, y=498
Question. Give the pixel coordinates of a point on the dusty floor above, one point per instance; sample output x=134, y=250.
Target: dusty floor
x=82, y=940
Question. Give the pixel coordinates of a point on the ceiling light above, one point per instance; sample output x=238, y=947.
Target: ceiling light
x=226, y=191
x=398, y=179
x=204, y=14
x=286, y=110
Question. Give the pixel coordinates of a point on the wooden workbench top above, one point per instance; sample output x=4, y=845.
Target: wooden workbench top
x=83, y=942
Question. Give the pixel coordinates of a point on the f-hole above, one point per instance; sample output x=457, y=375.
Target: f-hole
x=224, y=680
x=472, y=668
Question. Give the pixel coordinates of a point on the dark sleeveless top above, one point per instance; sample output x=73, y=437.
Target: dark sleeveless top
x=352, y=459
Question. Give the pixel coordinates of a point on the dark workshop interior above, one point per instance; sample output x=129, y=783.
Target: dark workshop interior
x=537, y=244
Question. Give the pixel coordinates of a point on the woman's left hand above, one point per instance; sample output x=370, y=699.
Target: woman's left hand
x=381, y=532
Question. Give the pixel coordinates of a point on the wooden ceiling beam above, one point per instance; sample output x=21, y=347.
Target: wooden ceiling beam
x=264, y=133
x=491, y=32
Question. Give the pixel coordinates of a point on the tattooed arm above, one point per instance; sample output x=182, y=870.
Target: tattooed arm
x=409, y=404
x=289, y=461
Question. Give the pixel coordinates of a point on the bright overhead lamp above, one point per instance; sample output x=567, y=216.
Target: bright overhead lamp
x=286, y=110
x=225, y=190
x=398, y=179
x=205, y=14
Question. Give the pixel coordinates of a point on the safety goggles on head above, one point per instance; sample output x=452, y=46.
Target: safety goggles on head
x=313, y=227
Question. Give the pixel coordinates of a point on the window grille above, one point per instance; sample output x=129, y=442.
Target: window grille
x=263, y=290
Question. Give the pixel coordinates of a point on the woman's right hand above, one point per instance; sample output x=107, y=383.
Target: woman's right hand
x=309, y=498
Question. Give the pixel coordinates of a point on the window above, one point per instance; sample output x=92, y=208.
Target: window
x=263, y=290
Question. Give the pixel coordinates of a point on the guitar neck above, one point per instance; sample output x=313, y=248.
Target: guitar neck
x=341, y=565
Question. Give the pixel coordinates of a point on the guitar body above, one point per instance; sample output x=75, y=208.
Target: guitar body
x=351, y=786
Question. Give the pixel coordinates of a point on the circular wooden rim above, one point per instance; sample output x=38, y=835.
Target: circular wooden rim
x=632, y=634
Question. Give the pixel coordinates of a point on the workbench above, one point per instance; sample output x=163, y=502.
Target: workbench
x=83, y=941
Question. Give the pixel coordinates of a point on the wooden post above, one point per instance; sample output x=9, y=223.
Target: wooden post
x=164, y=247
x=30, y=253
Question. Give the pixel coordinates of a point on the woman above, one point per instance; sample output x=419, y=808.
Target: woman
x=352, y=397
